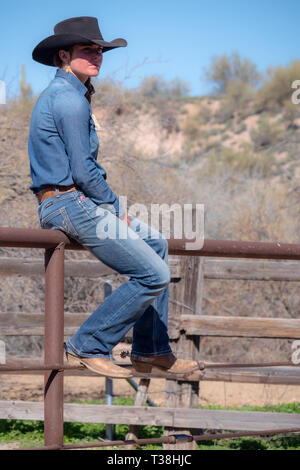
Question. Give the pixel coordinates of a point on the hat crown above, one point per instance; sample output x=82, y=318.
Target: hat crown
x=78, y=30
x=82, y=25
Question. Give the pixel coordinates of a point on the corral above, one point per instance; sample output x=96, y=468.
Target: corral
x=188, y=270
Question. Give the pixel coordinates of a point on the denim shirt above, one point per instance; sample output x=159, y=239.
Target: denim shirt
x=63, y=143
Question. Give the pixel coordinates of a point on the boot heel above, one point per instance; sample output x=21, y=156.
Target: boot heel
x=142, y=366
x=72, y=360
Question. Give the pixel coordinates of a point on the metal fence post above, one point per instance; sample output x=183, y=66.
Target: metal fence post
x=109, y=399
x=53, y=349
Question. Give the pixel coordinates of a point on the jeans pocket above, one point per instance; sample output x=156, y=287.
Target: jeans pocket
x=86, y=203
x=59, y=220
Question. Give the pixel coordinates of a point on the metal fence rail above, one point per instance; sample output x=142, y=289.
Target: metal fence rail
x=171, y=439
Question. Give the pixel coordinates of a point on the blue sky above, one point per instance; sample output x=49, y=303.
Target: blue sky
x=170, y=38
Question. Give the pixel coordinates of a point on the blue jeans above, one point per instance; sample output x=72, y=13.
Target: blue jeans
x=137, y=251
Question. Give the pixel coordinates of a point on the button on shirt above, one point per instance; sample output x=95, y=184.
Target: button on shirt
x=63, y=143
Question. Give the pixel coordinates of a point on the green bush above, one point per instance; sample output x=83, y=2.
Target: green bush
x=277, y=88
x=239, y=96
x=227, y=69
x=237, y=101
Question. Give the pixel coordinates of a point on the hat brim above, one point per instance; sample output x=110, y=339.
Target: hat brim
x=44, y=51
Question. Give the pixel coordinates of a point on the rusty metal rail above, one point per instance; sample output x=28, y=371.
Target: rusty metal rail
x=55, y=242
x=202, y=366
x=171, y=439
x=37, y=238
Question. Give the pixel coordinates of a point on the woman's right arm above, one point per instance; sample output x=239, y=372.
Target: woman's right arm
x=72, y=118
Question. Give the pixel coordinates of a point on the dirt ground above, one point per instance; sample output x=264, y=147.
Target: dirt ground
x=30, y=388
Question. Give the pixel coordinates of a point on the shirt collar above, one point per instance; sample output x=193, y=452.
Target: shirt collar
x=71, y=78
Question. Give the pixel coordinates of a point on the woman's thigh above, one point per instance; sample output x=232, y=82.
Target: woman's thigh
x=125, y=249
x=151, y=236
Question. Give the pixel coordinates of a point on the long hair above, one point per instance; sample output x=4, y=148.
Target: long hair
x=59, y=63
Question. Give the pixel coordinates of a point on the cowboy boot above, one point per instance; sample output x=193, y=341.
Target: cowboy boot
x=166, y=363
x=100, y=365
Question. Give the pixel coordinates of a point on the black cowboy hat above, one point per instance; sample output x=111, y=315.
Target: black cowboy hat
x=79, y=30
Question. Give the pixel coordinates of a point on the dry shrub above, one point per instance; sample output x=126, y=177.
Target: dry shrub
x=192, y=127
x=290, y=113
x=227, y=69
x=277, y=87
x=244, y=162
x=266, y=133
x=259, y=213
x=225, y=113
x=154, y=87
x=114, y=97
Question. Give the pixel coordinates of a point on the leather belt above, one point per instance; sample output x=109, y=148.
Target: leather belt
x=50, y=191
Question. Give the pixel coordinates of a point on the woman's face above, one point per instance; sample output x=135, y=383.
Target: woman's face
x=85, y=60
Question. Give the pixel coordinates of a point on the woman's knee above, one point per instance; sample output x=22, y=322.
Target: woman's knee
x=160, y=246
x=162, y=276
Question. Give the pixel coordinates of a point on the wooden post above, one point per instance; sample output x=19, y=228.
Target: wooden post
x=185, y=297
x=140, y=400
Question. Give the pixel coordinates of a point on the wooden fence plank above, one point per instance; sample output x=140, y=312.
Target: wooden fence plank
x=75, y=268
x=234, y=420
x=19, y=323
x=22, y=324
x=260, y=375
x=255, y=327
x=175, y=417
x=255, y=270
x=214, y=268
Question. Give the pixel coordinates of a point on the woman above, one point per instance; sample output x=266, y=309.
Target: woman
x=74, y=197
